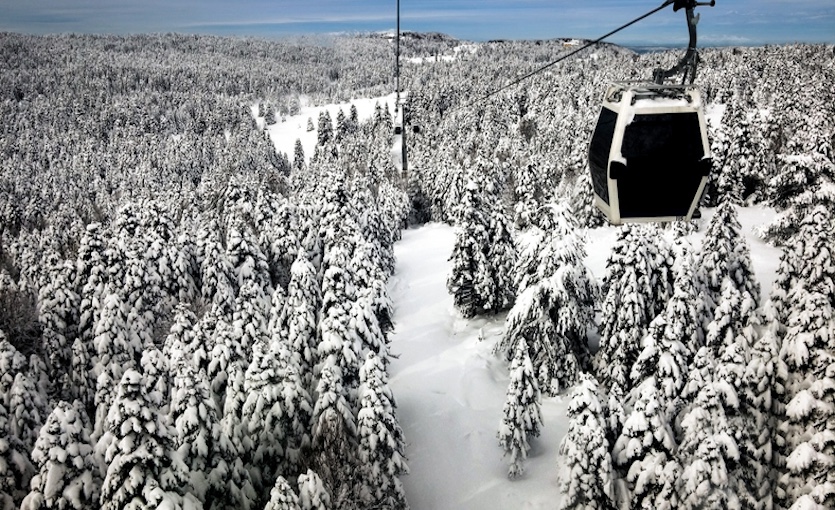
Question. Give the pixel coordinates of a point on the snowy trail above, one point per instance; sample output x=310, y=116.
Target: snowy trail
x=450, y=390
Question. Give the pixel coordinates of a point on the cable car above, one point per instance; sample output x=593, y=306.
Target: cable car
x=649, y=155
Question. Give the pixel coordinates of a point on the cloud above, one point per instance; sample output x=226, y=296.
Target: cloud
x=757, y=21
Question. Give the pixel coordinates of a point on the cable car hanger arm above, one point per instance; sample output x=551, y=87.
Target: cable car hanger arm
x=690, y=60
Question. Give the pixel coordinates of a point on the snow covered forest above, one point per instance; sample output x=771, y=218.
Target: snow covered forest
x=192, y=319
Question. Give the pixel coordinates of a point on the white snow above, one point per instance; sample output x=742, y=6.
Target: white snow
x=714, y=113
x=284, y=134
x=450, y=388
x=456, y=53
x=665, y=102
x=448, y=385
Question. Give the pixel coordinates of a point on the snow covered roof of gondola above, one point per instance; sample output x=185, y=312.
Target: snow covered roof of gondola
x=657, y=102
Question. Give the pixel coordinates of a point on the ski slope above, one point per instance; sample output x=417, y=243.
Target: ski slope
x=450, y=388
x=285, y=133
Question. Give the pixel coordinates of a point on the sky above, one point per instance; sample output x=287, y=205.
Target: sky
x=730, y=22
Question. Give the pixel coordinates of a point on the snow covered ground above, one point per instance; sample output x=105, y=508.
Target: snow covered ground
x=450, y=389
x=284, y=134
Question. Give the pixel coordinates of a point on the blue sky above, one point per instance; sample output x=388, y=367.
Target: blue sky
x=744, y=22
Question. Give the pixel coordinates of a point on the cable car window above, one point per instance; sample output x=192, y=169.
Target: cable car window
x=601, y=144
x=668, y=136
x=664, y=159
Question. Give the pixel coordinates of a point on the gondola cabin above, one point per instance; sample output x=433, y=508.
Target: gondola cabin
x=649, y=156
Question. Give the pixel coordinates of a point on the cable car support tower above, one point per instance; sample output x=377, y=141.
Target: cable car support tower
x=399, y=106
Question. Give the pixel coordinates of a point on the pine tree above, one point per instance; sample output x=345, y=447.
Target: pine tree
x=663, y=361
x=260, y=418
x=156, y=376
x=682, y=311
x=585, y=463
x=805, y=180
x=325, y=131
x=83, y=387
x=194, y=417
x=221, y=357
x=582, y=203
x=729, y=381
x=470, y=281
x=645, y=452
x=67, y=474
x=245, y=255
x=801, y=307
x=527, y=194
x=339, y=345
x=341, y=127
x=182, y=341
x=555, y=312
x=313, y=495
x=501, y=253
x=282, y=497
x=16, y=469
x=249, y=321
x=27, y=410
x=353, y=116
x=298, y=156
x=662, y=259
x=136, y=440
x=295, y=420
x=91, y=277
x=334, y=438
x=760, y=396
x=381, y=443
x=614, y=412
x=217, y=275
x=814, y=255
x=37, y=373
x=301, y=313
x=230, y=485
x=522, y=416
x=12, y=362
x=724, y=254
x=730, y=337
x=706, y=450
x=280, y=236
x=58, y=305
x=118, y=348
x=735, y=318
x=807, y=351
x=630, y=304
x=725, y=183
x=370, y=302
x=537, y=258
x=530, y=319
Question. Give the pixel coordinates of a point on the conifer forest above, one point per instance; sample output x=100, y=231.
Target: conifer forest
x=192, y=319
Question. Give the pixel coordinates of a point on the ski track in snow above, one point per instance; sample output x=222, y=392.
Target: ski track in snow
x=450, y=388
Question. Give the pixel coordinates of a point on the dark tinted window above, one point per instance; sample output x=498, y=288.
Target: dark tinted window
x=601, y=144
x=663, y=154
